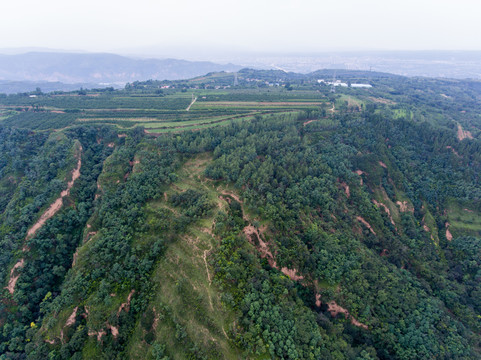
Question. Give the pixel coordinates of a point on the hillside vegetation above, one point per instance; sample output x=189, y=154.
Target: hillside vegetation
x=285, y=222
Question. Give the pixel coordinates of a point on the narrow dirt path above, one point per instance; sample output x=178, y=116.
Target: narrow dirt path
x=208, y=275
x=309, y=121
x=13, y=278
x=57, y=204
x=192, y=103
x=51, y=211
x=206, y=266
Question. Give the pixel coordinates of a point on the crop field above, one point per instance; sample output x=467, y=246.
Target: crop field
x=156, y=113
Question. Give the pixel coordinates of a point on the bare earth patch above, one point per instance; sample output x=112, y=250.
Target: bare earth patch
x=463, y=134
x=255, y=239
x=292, y=274
x=114, y=330
x=404, y=206
x=335, y=309
x=308, y=122
x=13, y=278
x=98, y=334
x=346, y=189
x=359, y=218
x=232, y=195
x=126, y=305
x=89, y=235
x=449, y=236
x=206, y=266
x=386, y=209
x=360, y=172
x=383, y=165
x=156, y=319
x=454, y=151
x=57, y=204
x=71, y=318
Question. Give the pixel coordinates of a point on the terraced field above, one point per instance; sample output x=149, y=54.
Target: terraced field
x=156, y=114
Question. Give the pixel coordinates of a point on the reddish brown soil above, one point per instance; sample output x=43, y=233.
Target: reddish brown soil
x=463, y=134
x=454, y=151
x=346, y=189
x=206, y=266
x=232, y=195
x=75, y=257
x=308, y=122
x=89, y=235
x=360, y=172
x=156, y=319
x=292, y=274
x=404, y=206
x=57, y=204
x=383, y=165
x=359, y=218
x=114, y=330
x=126, y=305
x=449, y=236
x=335, y=309
x=98, y=334
x=13, y=278
x=254, y=237
x=386, y=209
x=71, y=318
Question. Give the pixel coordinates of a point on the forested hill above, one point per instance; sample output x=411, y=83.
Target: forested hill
x=291, y=222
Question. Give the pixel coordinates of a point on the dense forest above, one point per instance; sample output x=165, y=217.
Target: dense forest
x=346, y=229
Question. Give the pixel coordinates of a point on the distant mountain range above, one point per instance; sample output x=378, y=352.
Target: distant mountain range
x=98, y=68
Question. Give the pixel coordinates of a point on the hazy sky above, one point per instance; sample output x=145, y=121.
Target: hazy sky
x=242, y=25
